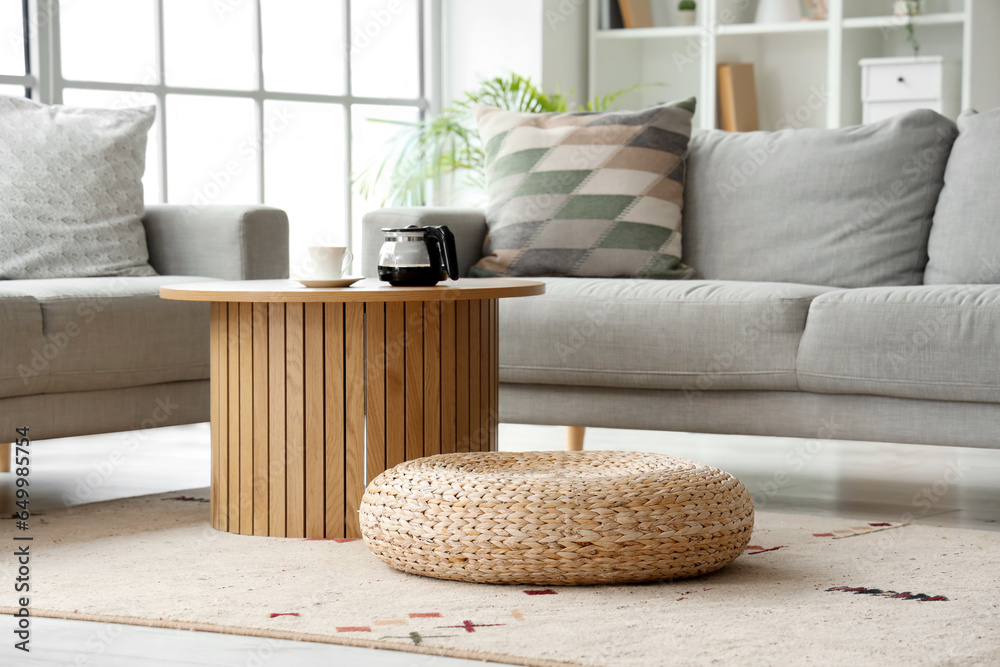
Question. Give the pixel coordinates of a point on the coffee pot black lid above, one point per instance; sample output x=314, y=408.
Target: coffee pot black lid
x=411, y=228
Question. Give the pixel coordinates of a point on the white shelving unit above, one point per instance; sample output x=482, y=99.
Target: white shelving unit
x=807, y=72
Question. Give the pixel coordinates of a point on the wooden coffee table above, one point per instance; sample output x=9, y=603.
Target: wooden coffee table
x=317, y=391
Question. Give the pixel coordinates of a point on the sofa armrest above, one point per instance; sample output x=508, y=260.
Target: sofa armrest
x=467, y=224
x=227, y=242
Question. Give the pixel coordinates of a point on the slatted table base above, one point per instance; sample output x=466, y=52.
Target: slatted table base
x=310, y=401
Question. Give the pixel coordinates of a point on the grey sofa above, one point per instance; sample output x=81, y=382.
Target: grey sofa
x=97, y=355
x=848, y=290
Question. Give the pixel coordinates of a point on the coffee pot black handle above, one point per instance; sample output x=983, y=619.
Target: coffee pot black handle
x=445, y=242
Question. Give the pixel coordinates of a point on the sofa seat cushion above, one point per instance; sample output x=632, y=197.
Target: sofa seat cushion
x=109, y=333
x=22, y=338
x=691, y=335
x=930, y=342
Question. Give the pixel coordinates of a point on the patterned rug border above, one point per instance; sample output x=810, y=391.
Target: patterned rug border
x=295, y=636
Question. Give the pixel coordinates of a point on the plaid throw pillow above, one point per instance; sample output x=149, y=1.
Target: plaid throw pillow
x=585, y=194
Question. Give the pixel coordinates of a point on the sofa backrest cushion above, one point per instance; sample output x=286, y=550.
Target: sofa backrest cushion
x=964, y=244
x=850, y=207
x=71, y=197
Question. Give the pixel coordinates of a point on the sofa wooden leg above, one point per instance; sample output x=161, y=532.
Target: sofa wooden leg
x=5, y=456
x=574, y=438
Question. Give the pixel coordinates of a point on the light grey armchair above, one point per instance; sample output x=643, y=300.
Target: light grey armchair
x=100, y=355
x=226, y=242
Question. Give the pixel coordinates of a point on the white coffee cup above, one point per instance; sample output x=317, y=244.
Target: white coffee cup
x=331, y=261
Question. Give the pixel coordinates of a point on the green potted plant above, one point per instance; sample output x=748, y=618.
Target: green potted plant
x=687, y=12
x=448, y=144
x=909, y=9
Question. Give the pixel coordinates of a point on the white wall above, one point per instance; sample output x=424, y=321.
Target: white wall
x=564, y=48
x=544, y=40
x=486, y=38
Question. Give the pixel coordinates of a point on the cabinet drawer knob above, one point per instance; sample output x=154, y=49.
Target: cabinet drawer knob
x=901, y=80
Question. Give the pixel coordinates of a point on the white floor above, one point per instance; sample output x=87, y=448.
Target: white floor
x=935, y=485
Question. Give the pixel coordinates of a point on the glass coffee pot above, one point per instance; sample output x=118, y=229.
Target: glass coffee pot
x=417, y=256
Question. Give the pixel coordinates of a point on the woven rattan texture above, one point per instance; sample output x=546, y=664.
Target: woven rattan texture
x=556, y=517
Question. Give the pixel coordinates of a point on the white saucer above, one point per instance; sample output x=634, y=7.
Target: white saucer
x=338, y=282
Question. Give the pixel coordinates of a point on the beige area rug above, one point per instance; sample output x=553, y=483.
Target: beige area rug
x=809, y=590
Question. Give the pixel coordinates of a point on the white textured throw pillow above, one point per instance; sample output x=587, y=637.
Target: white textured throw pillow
x=71, y=190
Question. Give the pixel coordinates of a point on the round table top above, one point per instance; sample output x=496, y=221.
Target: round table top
x=369, y=290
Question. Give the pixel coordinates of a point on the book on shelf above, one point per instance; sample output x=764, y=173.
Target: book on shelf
x=636, y=13
x=737, y=98
x=610, y=17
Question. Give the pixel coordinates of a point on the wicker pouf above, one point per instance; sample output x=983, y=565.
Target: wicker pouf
x=556, y=517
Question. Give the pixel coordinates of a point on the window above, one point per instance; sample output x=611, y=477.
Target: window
x=258, y=101
x=15, y=50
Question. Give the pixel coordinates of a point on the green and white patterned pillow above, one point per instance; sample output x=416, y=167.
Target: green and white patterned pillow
x=585, y=194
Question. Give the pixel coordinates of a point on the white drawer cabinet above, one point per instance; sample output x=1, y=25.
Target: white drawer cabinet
x=890, y=86
x=876, y=111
